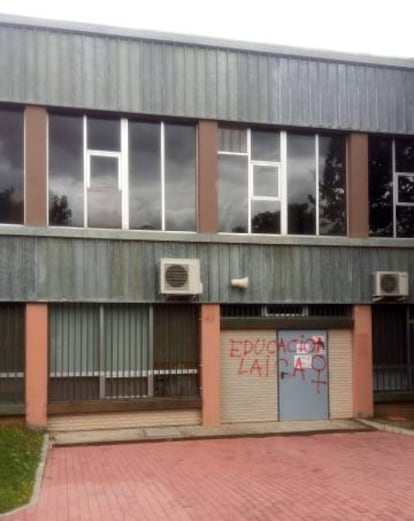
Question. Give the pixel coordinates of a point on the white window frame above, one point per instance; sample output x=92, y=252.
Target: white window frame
x=123, y=180
x=395, y=191
x=282, y=182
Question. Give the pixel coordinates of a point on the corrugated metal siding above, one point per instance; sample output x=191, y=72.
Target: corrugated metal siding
x=248, y=394
x=340, y=374
x=123, y=74
x=128, y=271
x=130, y=420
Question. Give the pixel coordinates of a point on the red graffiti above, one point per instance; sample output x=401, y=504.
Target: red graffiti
x=299, y=368
x=257, y=358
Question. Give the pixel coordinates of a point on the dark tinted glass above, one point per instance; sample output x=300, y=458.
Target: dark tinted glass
x=332, y=185
x=180, y=178
x=233, y=194
x=405, y=221
x=65, y=170
x=265, y=146
x=11, y=166
x=406, y=189
x=265, y=181
x=265, y=217
x=404, y=155
x=104, y=134
x=104, y=208
x=380, y=186
x=301, y=184
x=145, y=176
x=232, y=140
x=104, y=172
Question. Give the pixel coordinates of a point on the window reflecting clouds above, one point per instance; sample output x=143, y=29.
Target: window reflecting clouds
x=144, y=176
x=107, y=175
x=391, y=186
x=233, y=193
x=332, y=185
x=180, y=175
x=301, y=176
x=265, y=146
x=104, y=134
x=265, y=217
x=66, y=170
x=11, y=167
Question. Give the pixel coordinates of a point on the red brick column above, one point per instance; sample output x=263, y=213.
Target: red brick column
x=210, y=364
x=362, y=362
x=36, y=373
x=358, y=185
x=36, y=166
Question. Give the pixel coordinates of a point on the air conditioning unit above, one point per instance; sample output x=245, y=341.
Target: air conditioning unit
x=390, y=285
x=180, y=277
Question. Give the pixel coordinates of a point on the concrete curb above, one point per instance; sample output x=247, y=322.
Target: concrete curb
x=38, y=479
x=387, y=428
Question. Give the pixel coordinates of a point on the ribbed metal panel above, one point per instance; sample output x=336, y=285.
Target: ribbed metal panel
x=248, y=394
x=340, y=374
x=106, y=72
x=105, y=270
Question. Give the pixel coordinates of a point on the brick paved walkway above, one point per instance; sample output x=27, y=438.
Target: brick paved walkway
x=344, y=477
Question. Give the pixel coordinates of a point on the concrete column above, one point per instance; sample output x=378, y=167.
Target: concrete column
x=362, y=362
x=358, y=208
x=36, y=365
x=210, y=364
x=207, y=177
x=36, y=166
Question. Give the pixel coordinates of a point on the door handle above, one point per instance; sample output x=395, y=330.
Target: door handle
x=283, y=374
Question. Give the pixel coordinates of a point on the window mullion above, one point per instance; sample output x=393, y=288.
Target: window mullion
x=317, y=183
x=394, y=191
x=86, y=172
x=249, y=182
x=283, y=182
x=162, y=159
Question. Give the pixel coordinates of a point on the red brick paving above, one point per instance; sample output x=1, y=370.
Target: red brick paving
x=344, y=477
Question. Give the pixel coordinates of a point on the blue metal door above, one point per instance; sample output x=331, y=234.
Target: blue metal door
x=303, y=375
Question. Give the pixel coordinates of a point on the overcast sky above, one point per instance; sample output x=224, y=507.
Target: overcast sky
x=361, y=26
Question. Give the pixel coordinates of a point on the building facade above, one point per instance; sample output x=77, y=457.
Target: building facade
x=197, y=231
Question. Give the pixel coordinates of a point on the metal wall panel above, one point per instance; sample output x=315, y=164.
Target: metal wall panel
x=108, y=270
x=107, y=72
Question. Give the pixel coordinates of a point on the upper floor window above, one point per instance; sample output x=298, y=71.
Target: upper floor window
x=115, y=173
x=11, y=167
x=278, y=183
x=391, y=186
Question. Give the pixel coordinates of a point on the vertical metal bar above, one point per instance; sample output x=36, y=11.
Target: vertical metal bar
x=317, y=182
x=150, y=350
x=101, y=352
x=283, y=185
x=249, y=180
x=162, y=138
x=85, y=172
x=394, y=192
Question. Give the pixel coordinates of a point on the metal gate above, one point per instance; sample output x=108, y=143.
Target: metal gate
x=123, y=351
x=303, y=375
x=11, y=358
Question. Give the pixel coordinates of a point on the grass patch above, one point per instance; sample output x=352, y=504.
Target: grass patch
x=19, y=458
